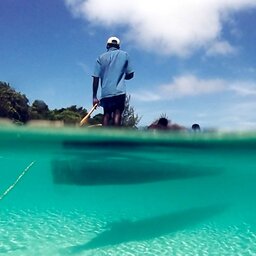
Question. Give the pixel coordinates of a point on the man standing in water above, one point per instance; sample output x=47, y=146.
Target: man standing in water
x=111, y=70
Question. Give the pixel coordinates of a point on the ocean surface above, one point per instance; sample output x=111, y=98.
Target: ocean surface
x=82, y=191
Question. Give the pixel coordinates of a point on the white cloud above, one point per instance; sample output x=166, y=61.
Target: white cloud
x=221, y=48
x=175, y=27
x=244, y=88
x=238, y=116
x=191, y=86
x=183, y=86
x=146, y=96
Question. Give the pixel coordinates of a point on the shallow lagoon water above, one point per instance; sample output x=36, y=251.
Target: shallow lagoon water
x=109, y=192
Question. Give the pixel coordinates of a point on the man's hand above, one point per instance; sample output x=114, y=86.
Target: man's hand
x=95, y=101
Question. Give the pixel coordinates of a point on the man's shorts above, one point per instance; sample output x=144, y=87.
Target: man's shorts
x=111, y=104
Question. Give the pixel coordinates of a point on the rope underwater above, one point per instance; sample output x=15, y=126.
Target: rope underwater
x=17, y=180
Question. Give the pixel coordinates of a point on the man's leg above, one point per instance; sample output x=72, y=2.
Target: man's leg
x=106, y=111
x=106, y=118
x=120, y=104
x=117, y=117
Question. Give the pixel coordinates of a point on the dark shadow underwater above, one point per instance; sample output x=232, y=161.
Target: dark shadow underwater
x=126, y=231
x=115, y=172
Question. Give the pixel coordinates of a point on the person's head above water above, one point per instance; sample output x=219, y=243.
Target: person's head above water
x=195, y=127
x=113, y=42
x=163, y=122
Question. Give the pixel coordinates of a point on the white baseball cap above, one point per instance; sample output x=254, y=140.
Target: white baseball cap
x=113, y=40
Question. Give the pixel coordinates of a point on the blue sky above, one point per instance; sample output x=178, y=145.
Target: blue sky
x=194, y=60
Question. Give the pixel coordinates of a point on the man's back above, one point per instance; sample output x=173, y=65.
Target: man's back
x=111, y=68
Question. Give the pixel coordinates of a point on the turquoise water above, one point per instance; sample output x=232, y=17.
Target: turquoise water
x=107, y=192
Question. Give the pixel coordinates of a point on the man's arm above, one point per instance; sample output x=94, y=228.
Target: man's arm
x=95, y=86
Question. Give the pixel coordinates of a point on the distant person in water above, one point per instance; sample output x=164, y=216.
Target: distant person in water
x=164, y=124
x=111, y=70
x=196, y=128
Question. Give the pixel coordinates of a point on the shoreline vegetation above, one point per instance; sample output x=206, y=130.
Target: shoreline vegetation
x=15, y=108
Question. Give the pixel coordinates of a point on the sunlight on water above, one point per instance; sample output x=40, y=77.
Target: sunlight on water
x=108, y=192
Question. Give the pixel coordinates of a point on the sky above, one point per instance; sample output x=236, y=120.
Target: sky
x=194, y=60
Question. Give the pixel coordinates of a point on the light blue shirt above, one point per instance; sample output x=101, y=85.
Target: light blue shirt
x=111, y=68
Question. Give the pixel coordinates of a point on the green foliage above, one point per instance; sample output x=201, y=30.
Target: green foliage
x=39, y=110
x=130, y=119
x=81, y=111
x=69, y=117
x=13, y=105
x=97, y=119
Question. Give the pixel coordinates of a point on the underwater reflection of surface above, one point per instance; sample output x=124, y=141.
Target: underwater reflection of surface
x=127, y=231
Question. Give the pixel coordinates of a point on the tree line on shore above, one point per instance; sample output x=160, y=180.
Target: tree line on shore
x=15, y=106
